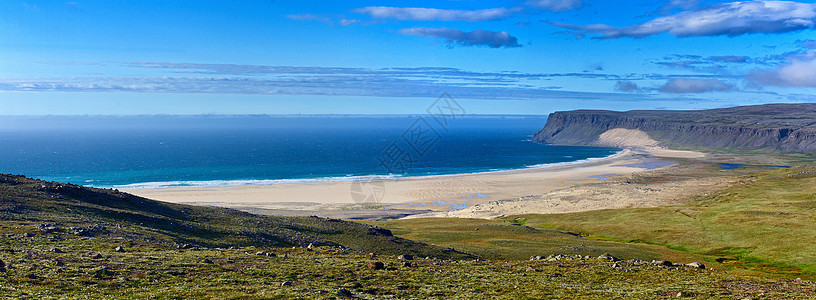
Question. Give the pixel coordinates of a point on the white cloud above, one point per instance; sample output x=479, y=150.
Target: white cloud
x=556, y=5
x=477, y=37
x=434, y=14
x=694, y=85
x=731, y=19
x=626, y=86
x=799, y=72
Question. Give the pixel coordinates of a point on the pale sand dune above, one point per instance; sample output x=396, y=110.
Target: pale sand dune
x=610, y=195
x=640, y=141
x=626, y=138
x=468, y=189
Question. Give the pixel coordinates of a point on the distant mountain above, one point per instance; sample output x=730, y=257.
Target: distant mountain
x=784, y=127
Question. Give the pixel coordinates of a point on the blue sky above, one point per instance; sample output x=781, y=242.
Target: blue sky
x=396, y=57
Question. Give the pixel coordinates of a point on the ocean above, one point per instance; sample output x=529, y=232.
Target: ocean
x=209, y=151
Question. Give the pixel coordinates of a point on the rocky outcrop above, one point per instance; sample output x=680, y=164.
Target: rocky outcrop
x=785, y=127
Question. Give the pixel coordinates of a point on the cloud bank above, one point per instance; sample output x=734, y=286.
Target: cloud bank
x=555, y=5
x=492, y=39
x=434, y=14
x=191, y=78
x=692, y=85
x=800, y=71
x=728, y=19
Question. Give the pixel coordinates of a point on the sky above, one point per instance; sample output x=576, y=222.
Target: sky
x=111, y=57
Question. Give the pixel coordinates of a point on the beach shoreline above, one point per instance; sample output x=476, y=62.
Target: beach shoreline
x=401, y=196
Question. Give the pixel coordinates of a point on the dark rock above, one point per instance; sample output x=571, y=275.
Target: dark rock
x=184, y=246
x=97, y=256
x=375, y=265
x=27, y=235
x=59, y=263
x=103, y=272
x=696, y=265
x=286, y=283
x=57, y=250
x=345, y=293
x=2, y=266
x=206, y=261
x=119, y=249
x=407, y=264
x=405, y=257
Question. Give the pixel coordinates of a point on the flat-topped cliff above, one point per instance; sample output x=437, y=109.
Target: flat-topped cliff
x=785, y=127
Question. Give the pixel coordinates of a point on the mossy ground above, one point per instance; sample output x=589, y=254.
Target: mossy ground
x=158, y=272
x=765, y=222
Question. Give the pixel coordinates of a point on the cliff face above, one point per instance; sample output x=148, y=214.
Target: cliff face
x=786, y=127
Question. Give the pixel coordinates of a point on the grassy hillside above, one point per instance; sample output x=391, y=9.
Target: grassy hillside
x=64, y=241
x=765, y=223
x=28, y=203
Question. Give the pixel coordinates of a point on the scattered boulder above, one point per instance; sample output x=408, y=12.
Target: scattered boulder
x=345, y=293
x=59, y=263
x=311, y=246
x=90, y=231
x=375, y=265
x=696, y=265
x=260, y=253
x=608, y=257
x=97, y=256
x=407, y=264
x=119, y=249
x=48, y=228
x=536, y=257
x=57, y=250
x=27, y=235
x=531, y=269
x=665, y=263
x=286, y=283
x=185, y=246
x=103, y=272
x=206, y=261
x=405, y=257
x=2, y=266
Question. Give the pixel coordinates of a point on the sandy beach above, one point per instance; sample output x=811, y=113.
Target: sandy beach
x=407, y=196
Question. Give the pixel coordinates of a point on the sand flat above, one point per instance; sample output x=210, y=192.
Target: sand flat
x=435, y=193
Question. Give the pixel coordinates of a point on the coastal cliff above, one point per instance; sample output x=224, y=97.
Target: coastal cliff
x=784, y=127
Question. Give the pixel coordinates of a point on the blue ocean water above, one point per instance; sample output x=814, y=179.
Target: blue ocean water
x=167, y=151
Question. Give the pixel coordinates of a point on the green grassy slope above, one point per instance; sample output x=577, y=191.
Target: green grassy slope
x=26, y=203
x=243, y=256
x=764, y=223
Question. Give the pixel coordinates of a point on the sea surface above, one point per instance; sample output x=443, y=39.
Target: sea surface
x=206, y=151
